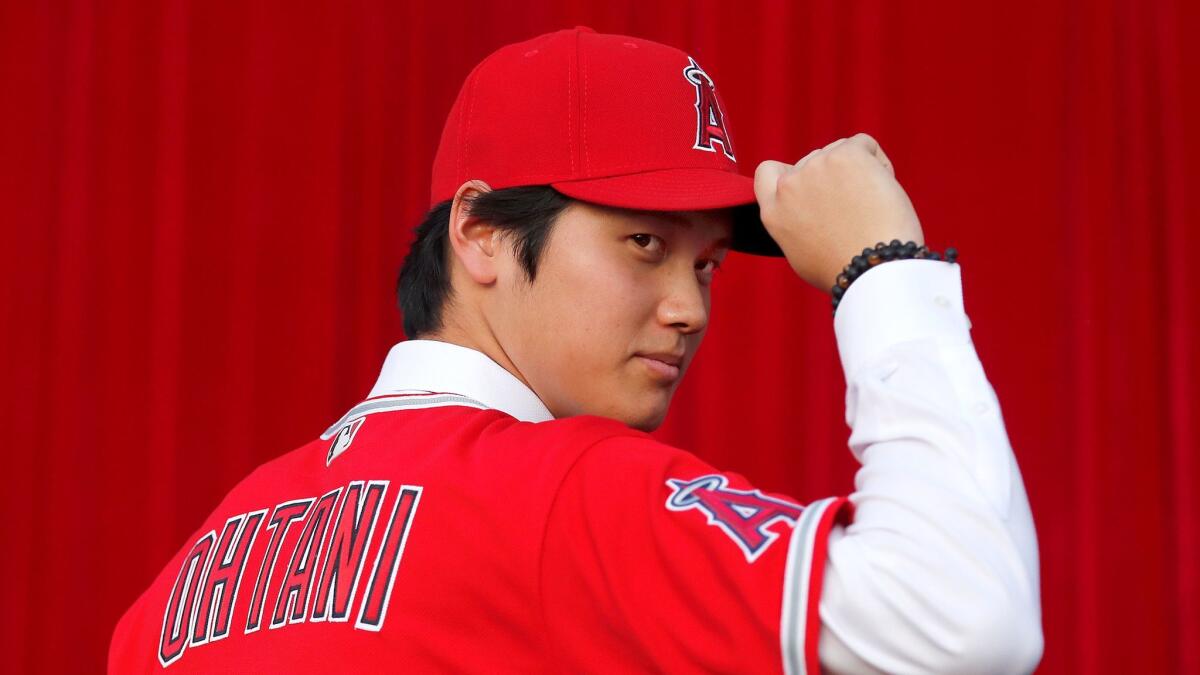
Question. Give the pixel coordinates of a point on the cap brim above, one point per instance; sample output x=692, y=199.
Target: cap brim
x=683, y=190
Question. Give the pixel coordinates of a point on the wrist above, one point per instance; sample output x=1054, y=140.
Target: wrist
x=881, y=253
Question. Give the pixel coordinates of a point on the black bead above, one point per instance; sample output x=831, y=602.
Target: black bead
x=910, y=249
x=867, y=251
x=838, y=291
x=934, y=255
x=951, y=254
x=879, y=246
x=896, y=242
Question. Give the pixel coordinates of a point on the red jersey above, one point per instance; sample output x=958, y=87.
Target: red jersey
x=471, y=531
x=428, y=532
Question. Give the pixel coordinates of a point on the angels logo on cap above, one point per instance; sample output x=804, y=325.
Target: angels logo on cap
x=710, y=122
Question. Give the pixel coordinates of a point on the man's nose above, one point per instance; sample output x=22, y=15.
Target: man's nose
x=684, y=306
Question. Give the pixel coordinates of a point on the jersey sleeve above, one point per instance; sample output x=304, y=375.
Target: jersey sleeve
x=654, y=560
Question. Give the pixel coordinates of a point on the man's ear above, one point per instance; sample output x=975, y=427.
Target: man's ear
x=476, y=243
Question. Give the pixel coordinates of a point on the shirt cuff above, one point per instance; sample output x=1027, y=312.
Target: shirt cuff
x=899, y=301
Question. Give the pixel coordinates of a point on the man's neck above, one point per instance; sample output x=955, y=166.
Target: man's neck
x=481, y=340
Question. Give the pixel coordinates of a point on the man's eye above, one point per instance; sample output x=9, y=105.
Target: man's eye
x=649, y=242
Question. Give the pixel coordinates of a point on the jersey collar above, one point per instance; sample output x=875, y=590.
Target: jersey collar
x=442, y=367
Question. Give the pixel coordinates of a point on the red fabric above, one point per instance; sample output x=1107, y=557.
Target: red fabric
x=647, y=567
x=675, y=190
x=838, y=512
x=457, y=539
x=576, y=104
x=205, y=205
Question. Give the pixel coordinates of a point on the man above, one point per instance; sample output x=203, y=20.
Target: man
x=495, y=505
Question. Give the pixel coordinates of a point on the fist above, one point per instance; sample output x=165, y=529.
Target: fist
x=833, y=203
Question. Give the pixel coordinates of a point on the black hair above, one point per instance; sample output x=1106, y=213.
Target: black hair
x=524, y=213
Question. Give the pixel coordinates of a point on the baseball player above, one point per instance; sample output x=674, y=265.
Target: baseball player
x=495, y=504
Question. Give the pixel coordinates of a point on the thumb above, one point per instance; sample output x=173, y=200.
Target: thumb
x=766, y=180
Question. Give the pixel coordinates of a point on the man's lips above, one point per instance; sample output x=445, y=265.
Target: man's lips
x=674, y=358
x=664, y=366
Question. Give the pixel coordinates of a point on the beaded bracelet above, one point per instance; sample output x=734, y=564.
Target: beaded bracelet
x=882, y=252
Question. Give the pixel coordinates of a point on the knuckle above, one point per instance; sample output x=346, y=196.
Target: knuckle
x=841, y=155
x=765, y=165
x=789, y=182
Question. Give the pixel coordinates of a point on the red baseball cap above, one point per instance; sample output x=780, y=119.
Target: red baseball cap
x=607, y=119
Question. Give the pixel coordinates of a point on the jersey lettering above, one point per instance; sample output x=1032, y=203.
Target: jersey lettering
x=295, y=586
x=374, y=605
x=181, y=606
x=225, y=575
x=204, y=597
x=347, y=551
x=283, y=517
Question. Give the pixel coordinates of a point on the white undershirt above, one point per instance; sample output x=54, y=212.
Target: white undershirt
x=938, y=572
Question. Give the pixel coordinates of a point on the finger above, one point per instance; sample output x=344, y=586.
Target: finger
x=883, y=159
x=804, y=159
x=766, y=177
x=834, y=144
x=867, y=141
x=807, y=158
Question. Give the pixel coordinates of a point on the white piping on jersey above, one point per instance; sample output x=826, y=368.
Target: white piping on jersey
x=390, y=404
x=797, y=579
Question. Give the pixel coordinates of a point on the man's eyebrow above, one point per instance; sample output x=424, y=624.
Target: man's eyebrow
x=722, y=245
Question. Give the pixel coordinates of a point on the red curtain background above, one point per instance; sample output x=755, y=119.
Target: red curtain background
x=205, y=206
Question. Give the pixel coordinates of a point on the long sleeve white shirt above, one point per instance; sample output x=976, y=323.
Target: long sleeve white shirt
x=938, y=572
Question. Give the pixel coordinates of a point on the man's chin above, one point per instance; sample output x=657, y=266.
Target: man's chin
x=645, y=410
x=647, y=419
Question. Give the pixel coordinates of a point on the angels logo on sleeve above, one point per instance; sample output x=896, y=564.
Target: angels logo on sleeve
x=746, y=516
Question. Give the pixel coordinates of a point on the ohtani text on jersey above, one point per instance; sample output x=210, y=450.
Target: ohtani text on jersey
x=319, y=581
